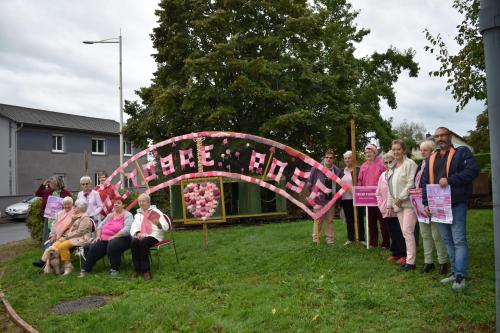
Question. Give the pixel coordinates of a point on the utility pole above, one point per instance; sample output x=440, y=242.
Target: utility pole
x=489, y=26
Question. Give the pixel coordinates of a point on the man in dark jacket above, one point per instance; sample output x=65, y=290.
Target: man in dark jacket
x=323, y=199
x=456, y=167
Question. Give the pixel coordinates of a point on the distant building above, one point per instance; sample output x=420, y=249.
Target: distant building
x=36, y=144
x=456, y=140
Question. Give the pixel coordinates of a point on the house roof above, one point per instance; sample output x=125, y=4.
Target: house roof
x=45, y=118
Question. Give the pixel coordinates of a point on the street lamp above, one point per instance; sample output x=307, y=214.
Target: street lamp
x=116, y=40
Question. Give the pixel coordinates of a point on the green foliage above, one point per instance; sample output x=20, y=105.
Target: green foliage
x=35, y=220
x=479, y=138
x=284, y=70
x=465, y=70
x=248, y=272
x=484, y=162
x=411, y=133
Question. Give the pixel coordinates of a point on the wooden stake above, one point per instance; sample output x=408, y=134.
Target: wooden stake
x=354, y=176
x=205, y=235
x=316, y=232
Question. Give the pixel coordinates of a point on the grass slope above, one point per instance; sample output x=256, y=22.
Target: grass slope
x=267, y=278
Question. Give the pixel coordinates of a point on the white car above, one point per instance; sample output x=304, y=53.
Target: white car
x=20, y=210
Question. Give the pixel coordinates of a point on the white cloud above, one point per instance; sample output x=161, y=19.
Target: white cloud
x=43, y=63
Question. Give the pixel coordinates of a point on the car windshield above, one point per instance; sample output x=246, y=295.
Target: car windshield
x=31, y=200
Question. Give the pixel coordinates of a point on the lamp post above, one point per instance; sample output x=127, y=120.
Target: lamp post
x=116, y=40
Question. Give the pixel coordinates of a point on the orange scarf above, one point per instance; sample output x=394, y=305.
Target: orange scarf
x=431, y=164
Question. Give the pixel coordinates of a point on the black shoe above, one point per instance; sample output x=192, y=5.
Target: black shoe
x=407, y=267
x=426, y=268
x=443, y=269
x=39, y=263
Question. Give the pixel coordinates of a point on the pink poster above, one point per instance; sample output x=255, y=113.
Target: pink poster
x=439, y=199
x=418, y=206
x=365, y=196
x=54, y=204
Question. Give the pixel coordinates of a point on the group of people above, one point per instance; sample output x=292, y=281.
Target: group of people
x=88, y=223
x=394, y=174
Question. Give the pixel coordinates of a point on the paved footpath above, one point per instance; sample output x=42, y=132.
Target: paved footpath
x=13, y=231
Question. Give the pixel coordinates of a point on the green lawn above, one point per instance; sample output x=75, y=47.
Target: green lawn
x=267, y=278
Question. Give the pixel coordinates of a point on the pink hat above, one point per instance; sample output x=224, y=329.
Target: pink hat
x=372, y=147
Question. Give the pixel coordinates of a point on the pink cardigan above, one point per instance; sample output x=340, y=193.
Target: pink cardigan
x=369, y=172
x=382, y=193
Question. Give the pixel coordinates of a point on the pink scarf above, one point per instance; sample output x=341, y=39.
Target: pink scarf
x=63, y=220
x=147, y=224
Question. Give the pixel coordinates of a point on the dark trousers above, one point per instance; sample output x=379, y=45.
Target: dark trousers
x=398, y=244
x=113, y=249
x=348, y=208
x=374, y=215
x=140, y=253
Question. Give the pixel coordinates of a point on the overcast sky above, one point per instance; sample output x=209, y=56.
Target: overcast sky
x=45, y=65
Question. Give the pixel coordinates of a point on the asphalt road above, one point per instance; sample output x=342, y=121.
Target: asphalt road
x=12, y=231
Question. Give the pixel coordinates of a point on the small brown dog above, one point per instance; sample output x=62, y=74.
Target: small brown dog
x=52, y=260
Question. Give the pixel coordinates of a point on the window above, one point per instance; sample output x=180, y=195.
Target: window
x=127, y=148
x=128, y=182
x=57, y=143
x=62, y=176
x=97, y=174
x=98, y=146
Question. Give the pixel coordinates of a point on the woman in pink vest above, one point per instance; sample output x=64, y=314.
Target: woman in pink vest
x=369, y=175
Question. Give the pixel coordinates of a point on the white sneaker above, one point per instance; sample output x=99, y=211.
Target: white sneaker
x=449, y=279
x=347, y=243
x=83, y=273
x=363, y=243
x=459, y=283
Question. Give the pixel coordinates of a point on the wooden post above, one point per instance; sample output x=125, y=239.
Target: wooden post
x=316, y=231
x=205, y=235
x=354, y=175
x=199, y=152
x=144, y=182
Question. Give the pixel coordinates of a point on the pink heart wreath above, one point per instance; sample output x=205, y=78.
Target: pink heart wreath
x=202, y=199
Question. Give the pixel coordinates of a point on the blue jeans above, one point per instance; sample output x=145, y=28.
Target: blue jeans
x=455, y=237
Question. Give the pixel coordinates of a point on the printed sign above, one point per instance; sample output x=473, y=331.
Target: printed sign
x=365, y=196
x=439, y=199
x=54, y=205
x=418, y=206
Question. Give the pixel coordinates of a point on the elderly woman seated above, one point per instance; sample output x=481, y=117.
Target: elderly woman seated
x=63, y=220
x=147, y=229
x=78, y=233
x=112, y=239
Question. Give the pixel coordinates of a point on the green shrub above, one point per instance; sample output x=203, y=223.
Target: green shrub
x=35, y=221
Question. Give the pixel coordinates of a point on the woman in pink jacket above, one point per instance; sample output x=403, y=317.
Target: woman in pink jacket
x=398, y=246
x=369, y=174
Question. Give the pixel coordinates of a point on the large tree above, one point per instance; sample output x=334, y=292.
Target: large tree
x=283, y=69
x=465, y=70
x=411, y=133
x=479, y=138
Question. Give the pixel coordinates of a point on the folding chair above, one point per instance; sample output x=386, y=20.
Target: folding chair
x=164, y=243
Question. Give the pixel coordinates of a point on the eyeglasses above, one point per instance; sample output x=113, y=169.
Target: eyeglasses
x=85, y=184
x=388, y=162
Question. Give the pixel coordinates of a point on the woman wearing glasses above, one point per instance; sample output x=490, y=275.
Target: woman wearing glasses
x=91, y=197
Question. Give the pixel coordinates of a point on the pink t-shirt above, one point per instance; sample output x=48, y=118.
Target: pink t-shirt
x=347, y=179
x=112, y=227
x=370, y=172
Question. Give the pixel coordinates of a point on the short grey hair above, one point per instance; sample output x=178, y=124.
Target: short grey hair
x=348, y=154
x=429, y=144
x=67, y=200
x=144, y=196
x=82, y=205
x=388, y=156
x=85, y=179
